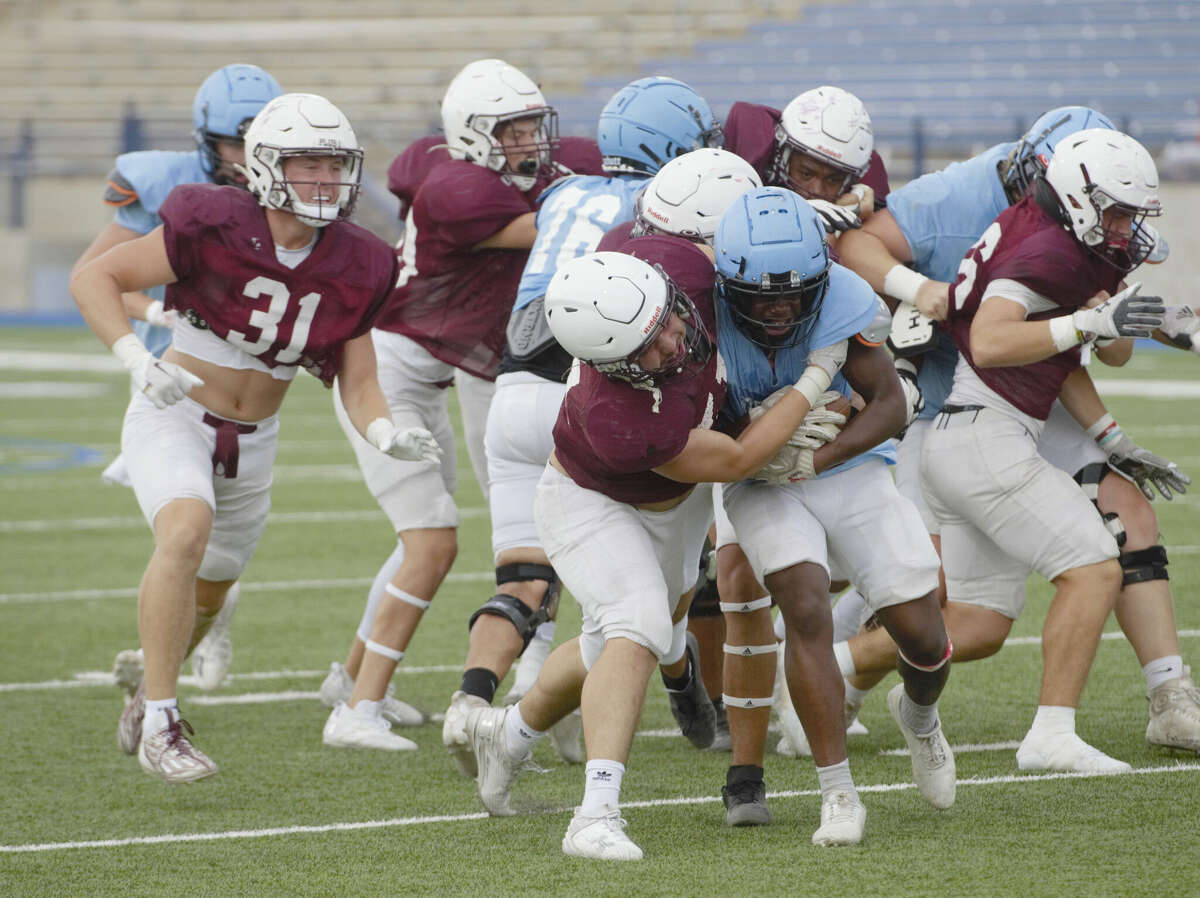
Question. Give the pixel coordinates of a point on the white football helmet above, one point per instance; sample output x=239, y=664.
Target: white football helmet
x=484, y=95
x=301, y=125
x=689, y=194
x=607, y=308
x=829, y=124
x=1097, y=169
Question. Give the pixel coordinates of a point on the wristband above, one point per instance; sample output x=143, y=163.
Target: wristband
x=902, y=283
x=154, y=313
x=130, y=351
x=812, y=383
x=379, y=433
x=1104, y=430
x=1064, y=333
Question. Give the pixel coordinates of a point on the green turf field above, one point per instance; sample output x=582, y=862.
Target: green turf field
x=287, y=816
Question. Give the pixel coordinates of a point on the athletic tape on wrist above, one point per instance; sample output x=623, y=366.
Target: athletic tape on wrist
x=812, y=383
x=130, y=351
x=1064, y=333
x=379, y=433
x=903, y=283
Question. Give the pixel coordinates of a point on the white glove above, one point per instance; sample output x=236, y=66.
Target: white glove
x=1140, y=465
x=410, y=444
x=914, y=401
x=159, y=316
x=163, y=383
x=791, y=464
x=1182, y=326
x=836, y=218
x=794, y=460
x=1123, y=315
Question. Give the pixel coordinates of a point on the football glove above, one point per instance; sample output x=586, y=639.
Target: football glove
x=1123, y=315
x=163, y=383
x=410, y=444
x=836, y=218
x=1182, y=327
x=1140, y=465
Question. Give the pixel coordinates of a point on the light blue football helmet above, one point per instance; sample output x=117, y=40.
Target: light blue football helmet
x=1036, y=147
x=649, y=122
x=224, y=106
x=772, y=266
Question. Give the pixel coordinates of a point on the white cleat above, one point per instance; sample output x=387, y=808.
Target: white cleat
x=932, y=759
x=856, y=727
x=454, y=732
x=600, y=838
x=338, y=686
x=213, y=655
x=485, y=730
x=843, y=818
x=1065, y=752
x=171, y=757
x=362, y=726
x=1175, y=715
x=567, y=738
x=128, y=668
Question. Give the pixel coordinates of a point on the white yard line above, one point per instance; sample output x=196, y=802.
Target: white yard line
x=226, y=835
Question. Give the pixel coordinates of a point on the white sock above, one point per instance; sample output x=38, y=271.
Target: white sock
x=603, y=787
x=921, y=719
x=854, y=695
x=1158, y=671
x=156, y=715
x=849, y=614
x=1053, y=720
x=519, y=737
x=836, y=778
x=845, y=662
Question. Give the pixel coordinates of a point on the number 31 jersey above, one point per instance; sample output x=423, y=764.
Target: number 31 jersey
x=222, y=252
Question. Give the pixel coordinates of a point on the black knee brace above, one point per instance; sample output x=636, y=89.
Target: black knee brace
x=1143, y=565
x=516, y=612
x=1088, y=477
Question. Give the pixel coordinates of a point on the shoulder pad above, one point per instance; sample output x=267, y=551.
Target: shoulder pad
x=876, y=332
x=118, y=191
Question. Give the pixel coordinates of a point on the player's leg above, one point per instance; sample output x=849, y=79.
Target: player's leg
x=474, y=400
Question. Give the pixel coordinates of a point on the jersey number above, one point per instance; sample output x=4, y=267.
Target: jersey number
x=968, y=269
x=268, y=320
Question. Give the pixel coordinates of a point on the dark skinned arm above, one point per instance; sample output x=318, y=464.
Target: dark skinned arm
x=872, y=374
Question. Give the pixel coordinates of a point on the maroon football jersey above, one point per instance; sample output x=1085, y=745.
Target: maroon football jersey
x=615, y=237
x=610, y=434
x=1026, y=245
x=450, y=298
x=221, y=251
x=750, y=132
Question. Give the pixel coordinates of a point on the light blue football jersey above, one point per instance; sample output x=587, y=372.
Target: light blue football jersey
x=574, y=214
x=941, y=215
x=153, y=174
x=849, y=306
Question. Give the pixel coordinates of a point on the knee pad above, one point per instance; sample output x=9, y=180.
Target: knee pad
x=1088, y=477
x=1143, y=565
x=516, y=612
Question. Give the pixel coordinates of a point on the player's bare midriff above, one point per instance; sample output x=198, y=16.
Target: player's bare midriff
x=234, y=394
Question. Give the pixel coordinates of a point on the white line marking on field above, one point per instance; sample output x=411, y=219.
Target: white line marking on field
x=75, y=362
x=105, y=678
x=52, y=389
x=65, y=525
x=172, y=838
x=253, y=698
x=1154, y=389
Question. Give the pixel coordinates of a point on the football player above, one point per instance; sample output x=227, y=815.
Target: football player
x=223, y=107
x=931, y=223
x=642, y=127
x=263, y=281
x=780, y=295
x=468, y=233
x=633, y=437
x=1018, y=314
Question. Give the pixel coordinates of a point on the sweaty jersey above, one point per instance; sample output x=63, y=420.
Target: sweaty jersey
x=450, y=298
x=848, y=309
x=1027, y=246
x=941, y=215
x=750, y=132
x=136, y=188
x=610, y=434
x=230, y=281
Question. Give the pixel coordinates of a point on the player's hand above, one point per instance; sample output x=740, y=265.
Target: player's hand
x=159, y=316
x=933, y=299
x=163, y=383
x=411, y=444
x=836, y=218
x=791, y=464
x=1123, y=315
x=1181, y=325
x=1143, y=467
x=914, y=401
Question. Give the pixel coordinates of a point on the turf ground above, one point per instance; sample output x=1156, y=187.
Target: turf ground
x=289, y=817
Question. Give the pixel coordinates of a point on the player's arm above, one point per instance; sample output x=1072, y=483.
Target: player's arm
x=872, y=373
x=713, y=457
x=137, y=304
x=517, y=234
x=125, y=266
x=1001, y=337
x=877, y=252
x=367, y=408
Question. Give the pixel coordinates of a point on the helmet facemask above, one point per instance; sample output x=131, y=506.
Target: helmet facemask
x=1124, y=251
x=800, y=297
x=781, y=173
x=495, y=157
x=220, y=170
x=324, y=209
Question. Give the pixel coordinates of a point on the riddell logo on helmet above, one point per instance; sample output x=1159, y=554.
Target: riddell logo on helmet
x=828, y=151
x=658, y=216
x=653, y=320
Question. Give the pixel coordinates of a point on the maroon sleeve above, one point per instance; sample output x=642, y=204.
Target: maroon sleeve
x=750, y=132
x=409, y=170
x=580, y=155
x=615, y=237
x=468, y=200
